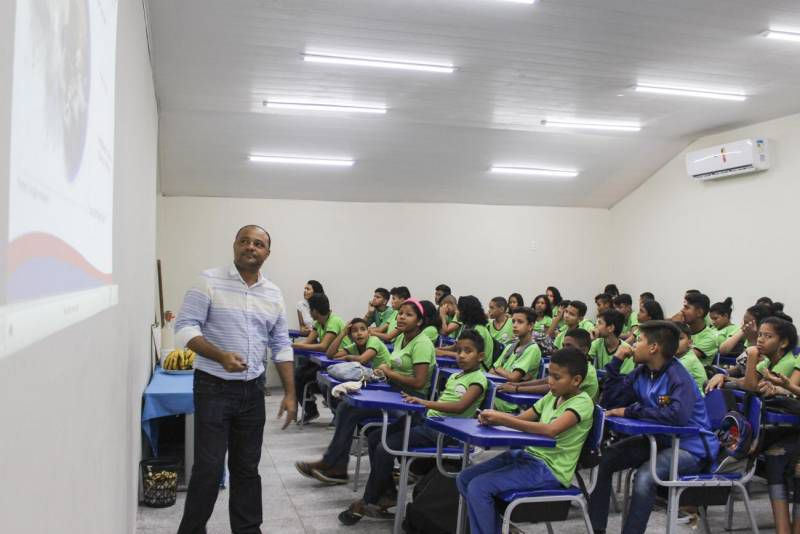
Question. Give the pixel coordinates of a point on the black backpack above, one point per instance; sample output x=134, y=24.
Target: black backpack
x=434, y=509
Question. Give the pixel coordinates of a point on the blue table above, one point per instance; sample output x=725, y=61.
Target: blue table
x=170, y=394
x=446, y=361
x=447, y=372
x=391, y=401
x=470, y=432
x=781, y=419
x=294, y=333
x=639, y=427
x=521, y=399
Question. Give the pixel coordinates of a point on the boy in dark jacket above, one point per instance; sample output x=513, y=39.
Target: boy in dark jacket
x=660, y=390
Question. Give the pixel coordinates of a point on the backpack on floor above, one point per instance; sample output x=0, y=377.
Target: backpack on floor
x=735, y=436
x=434, y=509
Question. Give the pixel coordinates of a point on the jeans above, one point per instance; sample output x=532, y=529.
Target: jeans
x=381, y=463
x=229, y=416
x=347, y=418
x=512, y=470
x=634, y=453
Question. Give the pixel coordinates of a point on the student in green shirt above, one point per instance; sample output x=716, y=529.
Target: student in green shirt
x=499, y=324
x=577, y=338
x=327, y=326
x=704, y=340
x=603, y=349
x=378, y=311
x=604, y=302
x=554, y=296
x=650, y=310
x=544, y=314
x=432, y=321
x=515, y=301
x=747, y=333
x=388, y=331
x=520, y=359
x=570, y=316
x=410, y=369
x=720, y=314
x=355, y=344
x=689, y=359
x=448, y=311
x=461, y=397
x=472, y=316
x=566, y=413
x=773, y=353
x=624, y=304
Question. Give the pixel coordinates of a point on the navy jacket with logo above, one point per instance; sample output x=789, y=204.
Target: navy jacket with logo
x=668, y=396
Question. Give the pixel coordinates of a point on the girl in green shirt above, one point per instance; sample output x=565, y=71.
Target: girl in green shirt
x=544, y=313
x=555, y=298
x=472, y=316
x=720, y=315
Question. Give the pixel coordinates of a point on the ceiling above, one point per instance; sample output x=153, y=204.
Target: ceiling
x=216, y=62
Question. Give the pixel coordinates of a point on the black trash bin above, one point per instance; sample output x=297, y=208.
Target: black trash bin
x=160, y=481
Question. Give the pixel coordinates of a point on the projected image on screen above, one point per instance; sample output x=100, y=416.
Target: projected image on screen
x=62, y=143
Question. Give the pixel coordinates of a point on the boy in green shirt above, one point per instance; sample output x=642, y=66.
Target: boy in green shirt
x=520, y=359
x=689, y=359
x=379, y=312
x=577, y=338
x=571, y=316
x=327, y=326
x=603, y=349
x=704, y=340
x=461, y=397
x=624, y=304
x=565, y=413
x=388, y=331
x=499, y=325
x=355, y=344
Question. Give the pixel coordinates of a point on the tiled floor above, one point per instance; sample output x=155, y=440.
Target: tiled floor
x=293, y=504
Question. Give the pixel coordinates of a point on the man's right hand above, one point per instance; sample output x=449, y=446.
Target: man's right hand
x=233, y=362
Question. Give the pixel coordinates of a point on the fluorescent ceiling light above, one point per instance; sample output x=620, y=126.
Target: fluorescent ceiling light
x=521, y=1
x=532, y=171
x=308, y=106
x=385, y=63
x=784, y=36
x=679, y=91
x=301, y=160
x=622, y=127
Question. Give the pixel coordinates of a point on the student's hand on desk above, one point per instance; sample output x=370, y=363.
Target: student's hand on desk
x=507, y=386
x=383, y=368
x=413, y=400
x=233, y=362
x=715, y=382
x=615, y=412
x=490, y=417
x=767, y=389
x=776, y=379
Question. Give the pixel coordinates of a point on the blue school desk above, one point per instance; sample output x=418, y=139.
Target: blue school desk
x=470, y=432
x=391, y=401
x=521, y=399
x=294, y=333
x=446, y=361
x=639, y=427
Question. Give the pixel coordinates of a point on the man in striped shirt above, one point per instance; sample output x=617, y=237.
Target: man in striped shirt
x=229, y=318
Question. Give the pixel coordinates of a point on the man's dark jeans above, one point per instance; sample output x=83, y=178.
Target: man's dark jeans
x=229, y=416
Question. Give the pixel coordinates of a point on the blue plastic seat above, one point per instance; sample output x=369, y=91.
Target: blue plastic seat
x=513, y=495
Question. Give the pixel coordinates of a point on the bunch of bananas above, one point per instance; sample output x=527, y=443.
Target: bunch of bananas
x=179, y=360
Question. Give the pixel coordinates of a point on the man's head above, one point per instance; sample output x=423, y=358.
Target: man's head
x=623, y=304
x=442, y=290
x=380, y=298
x=399, y=295
x=695, y=307
x=610, y=323
x=657, y=340
x=568, y=368
x=251, y=248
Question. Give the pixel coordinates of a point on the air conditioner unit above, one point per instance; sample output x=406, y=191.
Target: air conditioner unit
x=730, y=159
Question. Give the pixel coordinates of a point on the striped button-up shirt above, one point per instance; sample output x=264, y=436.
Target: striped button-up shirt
x=235, y=317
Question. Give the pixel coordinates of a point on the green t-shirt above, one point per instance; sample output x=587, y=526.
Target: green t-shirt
x=457, y=332
x=631, y=321
x=454, y=389
x=504, y=334
x=419, y=350
x=590, y=384
x=543, y=324
x=431, y=333
x=601, y=356
x=725, y=333
x=706, y=341
x=563, y=458
x=333, y=325
x=391, y=321
x=785, y=366
x=381, y=352
x=558, y=342
x=380, y=318
x=528, y=362
x=695, y=368
x=488, y=345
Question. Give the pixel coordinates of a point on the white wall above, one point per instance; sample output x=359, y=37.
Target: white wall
x=353, y=248
x=70, y=404
x=735, y=237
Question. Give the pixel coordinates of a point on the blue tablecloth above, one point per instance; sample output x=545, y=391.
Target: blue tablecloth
x=166, y=394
